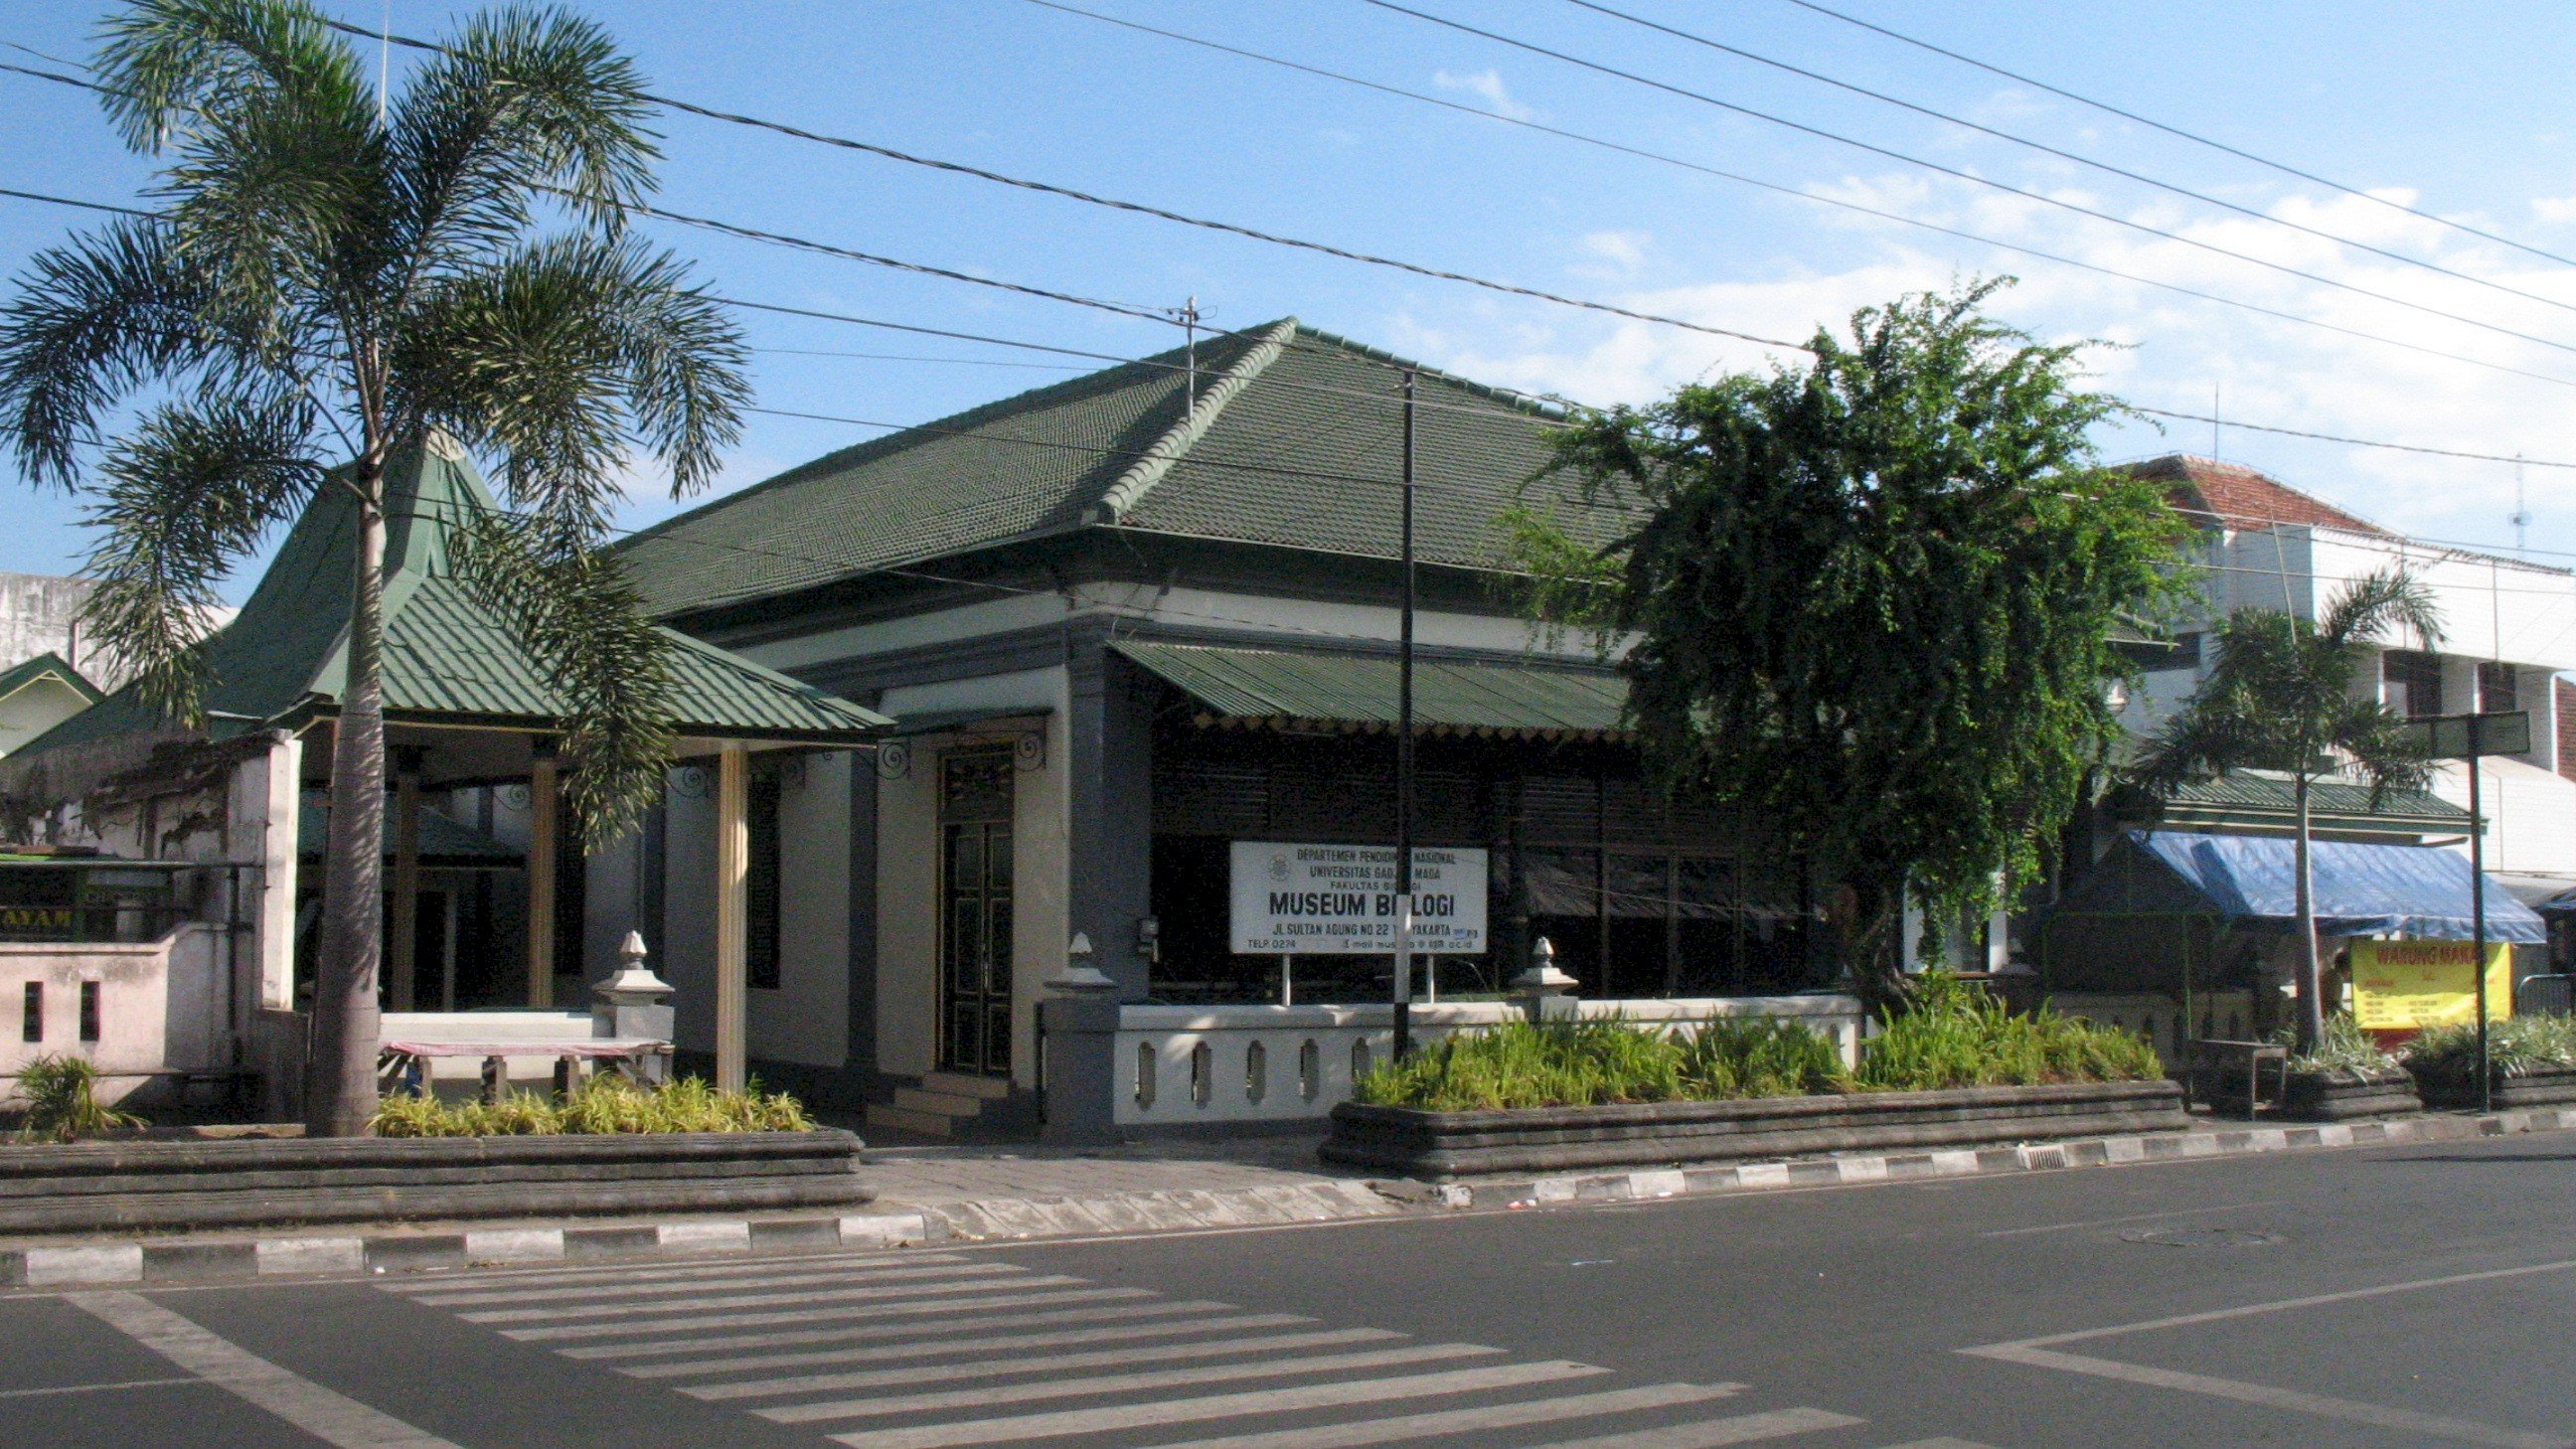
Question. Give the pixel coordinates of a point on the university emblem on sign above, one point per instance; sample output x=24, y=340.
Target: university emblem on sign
x=1280, y=869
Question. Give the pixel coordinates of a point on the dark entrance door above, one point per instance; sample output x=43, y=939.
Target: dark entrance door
x=975, y=915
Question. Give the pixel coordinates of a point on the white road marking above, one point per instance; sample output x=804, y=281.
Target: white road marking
x=1117, y=1383
x=985, y=1368
x=908, y=1330
x=886, y=1352
x=773, y=1278
x=1469, y=1421
x=326, y=1414
x=94, y=1388
x=848, y=1294
x=2405, y=1421
x=1944, y=1442
x=2113, y=1223
x=1217, y=1406
x=1712, y=1433
x=684, y=1322
x=2283, y=1305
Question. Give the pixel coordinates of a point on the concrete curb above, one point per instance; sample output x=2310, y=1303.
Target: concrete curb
x=1009, y=1219
x=1987, y=1161
x=221, y=1260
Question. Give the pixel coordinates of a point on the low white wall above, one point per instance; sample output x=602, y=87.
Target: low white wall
x=160, y=1006
x=1177, y=1065
x=2224, y=1015
x=535, y=1071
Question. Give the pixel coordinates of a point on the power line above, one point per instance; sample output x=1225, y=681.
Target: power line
x=1839, y=203
x=1960, y=174
x=2192, y=136
x=2062, y=154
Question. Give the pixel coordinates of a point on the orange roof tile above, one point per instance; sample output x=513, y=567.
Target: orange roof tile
x=2232, y=495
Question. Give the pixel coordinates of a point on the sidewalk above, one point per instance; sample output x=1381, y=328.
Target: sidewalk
x=948, y=1194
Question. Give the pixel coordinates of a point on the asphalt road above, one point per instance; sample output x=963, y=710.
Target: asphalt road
x=2393, y=1297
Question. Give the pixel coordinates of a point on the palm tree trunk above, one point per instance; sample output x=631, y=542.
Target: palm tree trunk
x=2312, y=1015
x=340, y=1096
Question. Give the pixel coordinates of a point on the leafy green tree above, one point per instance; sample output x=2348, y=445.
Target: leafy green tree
x=331, y=275
x=1871, y=601
x=2283, y=694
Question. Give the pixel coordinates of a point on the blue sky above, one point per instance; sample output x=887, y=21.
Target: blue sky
x=2461, y=110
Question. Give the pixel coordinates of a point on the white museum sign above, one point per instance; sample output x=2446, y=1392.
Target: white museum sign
x=1339, y=900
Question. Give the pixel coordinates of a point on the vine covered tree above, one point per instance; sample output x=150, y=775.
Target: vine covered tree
x=2281, y=696
x=330, y=276
x=1871, y=602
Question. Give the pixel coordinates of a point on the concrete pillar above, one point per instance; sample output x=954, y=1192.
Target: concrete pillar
x=402, y=951
x=277, y=862
x=541, y=875
x=733, y=909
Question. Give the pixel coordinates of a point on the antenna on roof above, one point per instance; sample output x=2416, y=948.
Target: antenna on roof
x=2521, y=519
x=1189, y=315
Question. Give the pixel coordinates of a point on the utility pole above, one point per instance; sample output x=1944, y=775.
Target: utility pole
x=1404, y=759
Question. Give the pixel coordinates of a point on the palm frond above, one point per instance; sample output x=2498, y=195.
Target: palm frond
x=2381, y=607
x=186, y=496
x=93, y=320
x=168, y=65
x=575, y=610
x=2382, y=747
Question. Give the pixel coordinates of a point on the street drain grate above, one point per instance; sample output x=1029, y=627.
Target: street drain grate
x=2203, y=1238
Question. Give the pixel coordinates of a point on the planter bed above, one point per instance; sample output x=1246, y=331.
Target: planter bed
x=2347, y=1095
x=2539, y=1087
x=1418, y=1143
x=95, y=1186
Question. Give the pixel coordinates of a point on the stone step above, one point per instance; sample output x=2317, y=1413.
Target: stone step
x=928, y=1124
x=943, y=1103
x=960, y=1084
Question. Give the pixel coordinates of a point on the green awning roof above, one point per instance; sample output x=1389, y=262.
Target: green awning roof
x=1304, y=689
x=2263, y=798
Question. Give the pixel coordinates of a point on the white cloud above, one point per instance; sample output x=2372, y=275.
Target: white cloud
x=2554, y=208
x=1487, y=84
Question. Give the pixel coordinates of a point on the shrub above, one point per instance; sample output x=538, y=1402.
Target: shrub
x=62, y=1101
x=2345, y=1047
x=1956, y=1035
x=1760, y=1057
x=2515, y=1045
x=1526, y=1064
x=609, y=1104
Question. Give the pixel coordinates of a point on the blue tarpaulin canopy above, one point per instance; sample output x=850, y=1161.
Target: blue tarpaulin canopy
x=2361, y=890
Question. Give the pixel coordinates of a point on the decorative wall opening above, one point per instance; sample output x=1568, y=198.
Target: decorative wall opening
x=1256, y=1072
x=1202, y=1074
x=1145, y=1075
x=1310, y=1070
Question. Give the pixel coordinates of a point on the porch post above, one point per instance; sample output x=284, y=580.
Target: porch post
x=733, y=874
x=278, y=849
x=401, y=953
x=541, y=876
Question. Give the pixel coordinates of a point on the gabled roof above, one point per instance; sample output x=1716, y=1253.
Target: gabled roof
x=1291, y=437
x=2230, y=495
x=447, y=658
x=48, y=665
x=1347, y=690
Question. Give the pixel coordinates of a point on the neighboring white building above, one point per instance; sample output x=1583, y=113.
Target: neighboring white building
x=2509, y=627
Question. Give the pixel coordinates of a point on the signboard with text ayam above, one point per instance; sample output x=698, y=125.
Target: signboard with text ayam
x=1340, y=900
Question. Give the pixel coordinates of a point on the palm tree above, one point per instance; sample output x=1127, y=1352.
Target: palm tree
x=2281, y=696
x=332, y=276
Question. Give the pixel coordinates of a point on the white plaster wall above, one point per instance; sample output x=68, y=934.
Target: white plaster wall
x=160, y=1004
x=907, y=919
x=609, y=906
x=807, y=1019
x=2531, y=815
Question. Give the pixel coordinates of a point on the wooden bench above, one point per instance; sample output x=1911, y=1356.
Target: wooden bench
x=2226, y=1056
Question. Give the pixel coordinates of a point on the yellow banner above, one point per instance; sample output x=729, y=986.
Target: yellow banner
x=2410, y=985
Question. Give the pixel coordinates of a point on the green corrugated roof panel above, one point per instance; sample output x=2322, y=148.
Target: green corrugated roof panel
x=1353, y=689
x=47, y=665
x=1295, y=441
x=445, y=654
x=2249, y=790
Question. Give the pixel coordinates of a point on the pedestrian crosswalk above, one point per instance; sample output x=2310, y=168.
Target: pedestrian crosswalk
x=942, y=1351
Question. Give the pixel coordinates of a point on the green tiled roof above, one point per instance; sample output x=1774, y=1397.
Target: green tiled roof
x=1279, y=687
x=446, y=656
x=47, y=665
x=1294, y=440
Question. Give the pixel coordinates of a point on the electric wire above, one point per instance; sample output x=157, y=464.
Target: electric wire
x=1962, y=174
x=2194, y=137
x=2254, y=213
x=1816, y=198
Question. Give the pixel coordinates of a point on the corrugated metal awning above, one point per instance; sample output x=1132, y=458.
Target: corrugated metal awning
x=1349, y=690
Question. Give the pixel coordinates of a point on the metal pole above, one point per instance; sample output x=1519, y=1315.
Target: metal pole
x=2478, y=915
x=1404, y=760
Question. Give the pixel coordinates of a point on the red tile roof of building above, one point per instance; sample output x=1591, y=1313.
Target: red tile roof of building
x=2232, y=495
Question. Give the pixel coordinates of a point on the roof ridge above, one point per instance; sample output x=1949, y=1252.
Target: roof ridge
x=1526, y=402
x=1139, y=479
